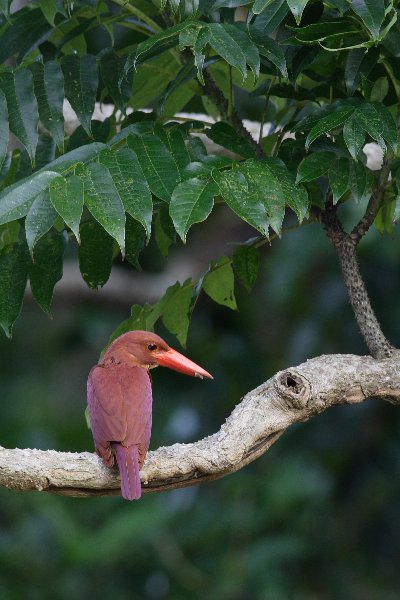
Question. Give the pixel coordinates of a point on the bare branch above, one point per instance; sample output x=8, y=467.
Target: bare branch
x=293, y=395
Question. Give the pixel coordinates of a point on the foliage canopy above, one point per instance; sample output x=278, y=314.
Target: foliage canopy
x=323, y=75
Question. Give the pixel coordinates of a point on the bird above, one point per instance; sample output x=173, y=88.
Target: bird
x=119, y=398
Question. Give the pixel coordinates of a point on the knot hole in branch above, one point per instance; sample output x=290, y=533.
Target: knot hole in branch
x=294, y=388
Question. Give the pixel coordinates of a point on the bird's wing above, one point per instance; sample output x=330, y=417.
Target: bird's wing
x=106, y=406
x=119, y=401
x=138, y=400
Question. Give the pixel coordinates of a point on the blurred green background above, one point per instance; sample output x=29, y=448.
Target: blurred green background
x=317, y=517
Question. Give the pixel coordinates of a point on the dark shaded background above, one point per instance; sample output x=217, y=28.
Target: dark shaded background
x=317, y=517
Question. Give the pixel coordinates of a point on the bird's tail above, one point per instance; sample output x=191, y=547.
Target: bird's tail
x=128, y=464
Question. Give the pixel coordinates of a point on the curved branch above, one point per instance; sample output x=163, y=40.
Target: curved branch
x=293, y=395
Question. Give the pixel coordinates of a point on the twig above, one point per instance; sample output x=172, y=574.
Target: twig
x=374, y=204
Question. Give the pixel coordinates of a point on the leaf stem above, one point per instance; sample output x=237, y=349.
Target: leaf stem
x=263, y=117
x=230, y=103
x=136, y=11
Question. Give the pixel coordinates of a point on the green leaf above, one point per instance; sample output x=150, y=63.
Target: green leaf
x=142, y=318
x=48, y=84
x=16, y=202
x=81, y=83
x=219, y=283
x=323, y=31
x=389, y=127
x=359, y=64
x=50, y=8
x=47, y=268
x=176, y=88
x=112, y=73
x=152, y=80
x=27, y=30
x=380, y=89
x=369, y=119
x=272, y=51
x=135, y=238
x=260, y=5
x=75, y=156
x=155, y=44
x=242, y=199
x=66, y=196
x=258, y=191
x=157, y=164
x=191, y=202
x=177, y=308
x=372, y=12
x=385, y=218
x=229, y=4
x=9, y=234
x=297, y=7
x=4, y=128
x=338, y=175
x=225, y=135
x=95, y=254
x=131, y=184
x=296, y=195
x=247, y=46
x=271, y=16
x=45, y=151
x=188, y=37
x=358, y=180
x=40, y=219
x=5, y=7
x=13, y=277
x=164, y=230
x=246, y=263
x=22, y=108
x=354, y=136
x=176, y=143
x=228, y=42
x=103, y=200
x=335, y=118
x=314, y=165
x=100, y=133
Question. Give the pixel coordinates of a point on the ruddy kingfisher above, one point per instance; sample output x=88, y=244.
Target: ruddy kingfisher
x=120, y=401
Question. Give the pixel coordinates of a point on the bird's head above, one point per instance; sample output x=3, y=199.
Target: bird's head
x=148, y=350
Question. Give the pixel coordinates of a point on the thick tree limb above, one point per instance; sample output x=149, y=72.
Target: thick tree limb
x=291, y=396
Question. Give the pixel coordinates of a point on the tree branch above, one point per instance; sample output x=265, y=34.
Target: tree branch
x=374, y=204
x=345, y=246
x=291, y=396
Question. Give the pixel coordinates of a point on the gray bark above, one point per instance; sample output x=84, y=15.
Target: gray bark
x=291, y=396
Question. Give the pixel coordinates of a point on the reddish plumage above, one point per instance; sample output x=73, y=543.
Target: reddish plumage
x=120, y=401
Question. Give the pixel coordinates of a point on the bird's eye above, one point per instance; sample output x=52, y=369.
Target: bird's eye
x=152, y=347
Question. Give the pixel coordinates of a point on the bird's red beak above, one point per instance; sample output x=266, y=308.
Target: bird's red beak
x=176, y=361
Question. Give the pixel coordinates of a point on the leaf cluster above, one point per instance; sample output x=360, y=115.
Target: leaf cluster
x=323, y=75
